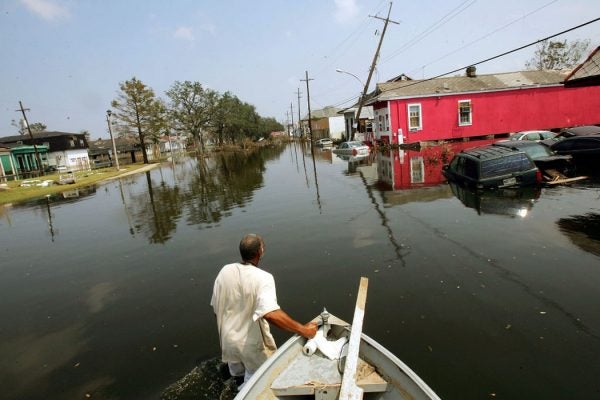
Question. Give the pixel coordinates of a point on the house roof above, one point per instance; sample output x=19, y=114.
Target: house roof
x=37, y=135
x=464, y=84
x=326, y=112
x=588, y=69
x=365, y=112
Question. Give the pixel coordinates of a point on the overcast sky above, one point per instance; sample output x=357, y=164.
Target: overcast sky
x=65, y=58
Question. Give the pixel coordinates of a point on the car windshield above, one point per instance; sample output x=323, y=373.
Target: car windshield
x=536, y=152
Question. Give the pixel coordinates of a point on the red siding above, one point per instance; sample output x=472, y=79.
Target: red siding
x=497, y=112
x=395, y=169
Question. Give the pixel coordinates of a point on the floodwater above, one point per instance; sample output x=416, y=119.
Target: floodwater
x=105, y=291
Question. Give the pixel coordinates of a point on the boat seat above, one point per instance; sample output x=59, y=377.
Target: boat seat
x=319, y=376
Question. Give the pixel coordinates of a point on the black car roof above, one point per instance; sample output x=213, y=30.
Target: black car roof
x=576, y=138
x=489, y=152
x=583, y=130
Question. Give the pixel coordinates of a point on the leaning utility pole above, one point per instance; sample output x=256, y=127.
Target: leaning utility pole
x=364, y=93
x=37, y=155
x=299, y=118
x=308, y=101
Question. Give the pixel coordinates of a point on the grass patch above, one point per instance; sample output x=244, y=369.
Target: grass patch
x=16, y=193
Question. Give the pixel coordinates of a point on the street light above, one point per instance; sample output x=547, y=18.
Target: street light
x=357, y=117
x=341, y=71
x=112, y=139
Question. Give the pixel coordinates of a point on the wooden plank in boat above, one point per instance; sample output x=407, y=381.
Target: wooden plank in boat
x=314, y=374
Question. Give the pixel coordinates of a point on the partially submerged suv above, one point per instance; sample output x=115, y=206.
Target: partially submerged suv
x=492, y=167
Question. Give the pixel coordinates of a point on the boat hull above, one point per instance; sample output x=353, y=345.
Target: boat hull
x=400, y=381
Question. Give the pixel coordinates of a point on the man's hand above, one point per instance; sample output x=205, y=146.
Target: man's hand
x=310, y=330
x=280, y=319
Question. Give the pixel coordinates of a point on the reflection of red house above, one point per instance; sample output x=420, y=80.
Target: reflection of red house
x=409, y=169
x=476, y=106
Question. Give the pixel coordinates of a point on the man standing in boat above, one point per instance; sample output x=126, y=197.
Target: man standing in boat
x=244, y=301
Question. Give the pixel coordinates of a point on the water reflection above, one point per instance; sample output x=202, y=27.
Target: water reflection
x=211, y=188
x=516, y=202
x=583, y=231
x=408, y=169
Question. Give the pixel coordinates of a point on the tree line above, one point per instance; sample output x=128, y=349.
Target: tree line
x=192, y=110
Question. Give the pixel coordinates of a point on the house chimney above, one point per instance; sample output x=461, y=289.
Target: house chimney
x=471, y=71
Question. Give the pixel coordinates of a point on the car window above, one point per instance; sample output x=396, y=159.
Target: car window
x=533, y=136
x=547, y=135
x=471, y=169
x=537, y=151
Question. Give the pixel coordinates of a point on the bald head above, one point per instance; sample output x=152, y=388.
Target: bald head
x=251, y=248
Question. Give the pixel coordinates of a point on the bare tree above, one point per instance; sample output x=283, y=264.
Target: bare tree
x=558, y=55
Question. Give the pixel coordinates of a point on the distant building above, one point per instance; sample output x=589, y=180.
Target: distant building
x=325, y=122
x=65, y=150
x=365, y=122
x=470, y=106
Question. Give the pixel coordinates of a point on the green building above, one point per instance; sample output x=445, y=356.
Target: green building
x=19, y=161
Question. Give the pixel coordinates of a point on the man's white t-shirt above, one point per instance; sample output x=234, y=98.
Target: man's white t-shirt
x=242, y=295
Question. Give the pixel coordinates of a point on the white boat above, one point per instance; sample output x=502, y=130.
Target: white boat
x=290, y=374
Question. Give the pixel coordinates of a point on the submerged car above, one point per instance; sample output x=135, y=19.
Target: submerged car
x=492, y=167
x=542, y=155
x=533, y=136
x=581, y=148
x=576, y=131
x=353, y=148
x=324, y=142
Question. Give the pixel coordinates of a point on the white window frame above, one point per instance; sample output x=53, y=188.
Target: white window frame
x=417, y=170
x=470, y=122
x=411, y=127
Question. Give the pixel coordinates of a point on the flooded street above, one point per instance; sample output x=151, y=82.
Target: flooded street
x=106, y=291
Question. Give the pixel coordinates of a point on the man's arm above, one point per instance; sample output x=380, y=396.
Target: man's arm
x=280, y=319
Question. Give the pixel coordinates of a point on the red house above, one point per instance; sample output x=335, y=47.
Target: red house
x=476, y=106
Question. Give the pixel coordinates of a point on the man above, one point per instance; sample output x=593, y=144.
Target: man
x=244, y=299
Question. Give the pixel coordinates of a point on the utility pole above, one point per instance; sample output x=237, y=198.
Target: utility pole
x=308, y=101
x=299, y=118
x=292, y=114
x=364, y=93
x=112, y=140
x=37, y=154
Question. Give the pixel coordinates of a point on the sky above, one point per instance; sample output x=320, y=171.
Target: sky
x=65, y=59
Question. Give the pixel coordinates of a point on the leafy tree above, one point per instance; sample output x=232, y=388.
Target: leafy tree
x=35, y=127
x=268, y=125
x=191, y=108
x=138, y=111
x=558, y=55
x=86, y=134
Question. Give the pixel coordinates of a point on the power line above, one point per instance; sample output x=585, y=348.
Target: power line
x=501, y=55
x=487, y=35
x=438, y=24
